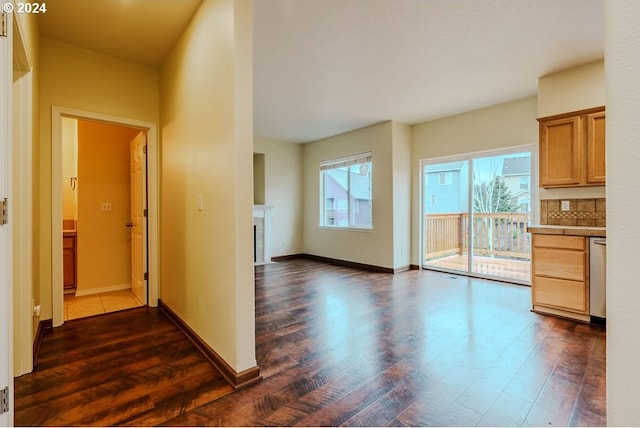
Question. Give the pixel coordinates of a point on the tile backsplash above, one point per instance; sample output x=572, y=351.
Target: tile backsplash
x=582, y=212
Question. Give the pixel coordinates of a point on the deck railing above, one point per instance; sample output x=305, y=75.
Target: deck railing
x=495, y=234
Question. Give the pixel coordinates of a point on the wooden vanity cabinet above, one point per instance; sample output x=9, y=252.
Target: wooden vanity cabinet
x=572, y=149
x=69, y=261
x=560, y=276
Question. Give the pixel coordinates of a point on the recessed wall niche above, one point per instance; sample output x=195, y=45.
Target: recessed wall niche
x=258, y=179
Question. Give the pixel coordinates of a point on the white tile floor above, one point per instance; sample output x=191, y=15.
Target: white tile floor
x=96, y=304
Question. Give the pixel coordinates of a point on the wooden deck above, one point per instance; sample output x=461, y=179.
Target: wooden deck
x=496, y=267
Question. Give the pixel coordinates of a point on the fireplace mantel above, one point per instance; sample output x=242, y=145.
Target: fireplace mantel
x=262, y=222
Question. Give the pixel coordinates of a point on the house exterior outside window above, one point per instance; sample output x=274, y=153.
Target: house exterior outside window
x=345, y=187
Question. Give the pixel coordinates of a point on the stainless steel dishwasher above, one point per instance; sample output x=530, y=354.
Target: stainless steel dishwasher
x=598, y=280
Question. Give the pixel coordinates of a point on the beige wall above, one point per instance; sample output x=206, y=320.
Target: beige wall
x=31, y=33
x=570, y=90
x=207, y=150
x=497, y=127
x=103, y=242
x=69, y=167
x=401, y=195
x=372, y=247
x=77, y=78
x=622, y=51
x=26, y=31
x=573, y=89
x=283, y=190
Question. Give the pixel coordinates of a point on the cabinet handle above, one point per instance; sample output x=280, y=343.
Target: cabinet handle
x=600, y=241
x=129, y=224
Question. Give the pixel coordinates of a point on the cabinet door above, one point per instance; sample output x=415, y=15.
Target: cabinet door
x=559, y=263
x=69, y=267
x=560, y=152
x=560, y=293
x=596, y=159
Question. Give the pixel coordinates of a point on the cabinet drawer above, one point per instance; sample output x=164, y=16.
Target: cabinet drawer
x=559, y=241
x=558, y=263
x=68, y=242
x=560, y=293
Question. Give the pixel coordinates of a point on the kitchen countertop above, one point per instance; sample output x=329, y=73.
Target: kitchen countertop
x=544, y=229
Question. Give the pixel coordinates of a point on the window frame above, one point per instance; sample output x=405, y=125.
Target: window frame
x=348, y=162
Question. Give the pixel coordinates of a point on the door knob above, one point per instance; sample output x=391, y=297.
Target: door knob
x=129, y=224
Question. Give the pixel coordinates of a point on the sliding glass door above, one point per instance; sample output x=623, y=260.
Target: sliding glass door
x=446, y=204
x=476, y=210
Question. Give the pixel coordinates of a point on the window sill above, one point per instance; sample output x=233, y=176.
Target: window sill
x=347, y=229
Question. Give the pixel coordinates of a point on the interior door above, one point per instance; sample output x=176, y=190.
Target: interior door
x=138, y=220
x=6, y=299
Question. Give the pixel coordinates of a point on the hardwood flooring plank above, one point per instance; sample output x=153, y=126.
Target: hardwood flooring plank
x=336, y=346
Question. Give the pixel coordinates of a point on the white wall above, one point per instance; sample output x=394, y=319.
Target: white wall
x=283, y=190
x=622, y=53
x=577, y=88
x=501, y=126
x=372, y=247
x=207, y=150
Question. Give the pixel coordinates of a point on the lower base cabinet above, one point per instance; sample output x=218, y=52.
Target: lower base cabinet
x=560, y=276
x=69, y=261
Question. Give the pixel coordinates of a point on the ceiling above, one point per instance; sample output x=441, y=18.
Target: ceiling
x=141, y=31
x=323, y=67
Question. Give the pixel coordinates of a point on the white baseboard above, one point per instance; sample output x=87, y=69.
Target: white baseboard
x=108, y=289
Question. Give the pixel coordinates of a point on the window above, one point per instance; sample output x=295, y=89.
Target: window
x=432, y=200
x=524, y=182
x=446, y=178
x=345, y=187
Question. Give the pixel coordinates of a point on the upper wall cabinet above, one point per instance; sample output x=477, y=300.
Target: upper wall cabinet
x=572, y=149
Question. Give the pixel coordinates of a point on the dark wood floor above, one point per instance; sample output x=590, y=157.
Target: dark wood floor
x=337, y=346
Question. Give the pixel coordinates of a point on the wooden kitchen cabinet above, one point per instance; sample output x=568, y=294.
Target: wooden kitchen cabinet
x=69, y=261
x=572, y=149
x=560, y=275
x=596, y=158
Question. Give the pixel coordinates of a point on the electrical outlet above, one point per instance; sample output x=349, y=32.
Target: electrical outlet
x=105, y=206
x=565, y=206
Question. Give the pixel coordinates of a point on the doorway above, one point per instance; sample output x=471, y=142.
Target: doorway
x=151, y=277
x=104, y=230
x=476, y=209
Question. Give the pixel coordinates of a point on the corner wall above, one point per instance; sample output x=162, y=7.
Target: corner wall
x=378, y=246
x=622, y=54
x=401, y=160
x=207, y=152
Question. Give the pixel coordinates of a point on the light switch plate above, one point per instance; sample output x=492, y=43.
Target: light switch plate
x=565, y=206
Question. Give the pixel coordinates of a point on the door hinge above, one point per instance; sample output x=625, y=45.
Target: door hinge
x=4, y=211
x=146, y=276
x=145, y=212
x=4, y=400
x=144, y=149
x=3, y=25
